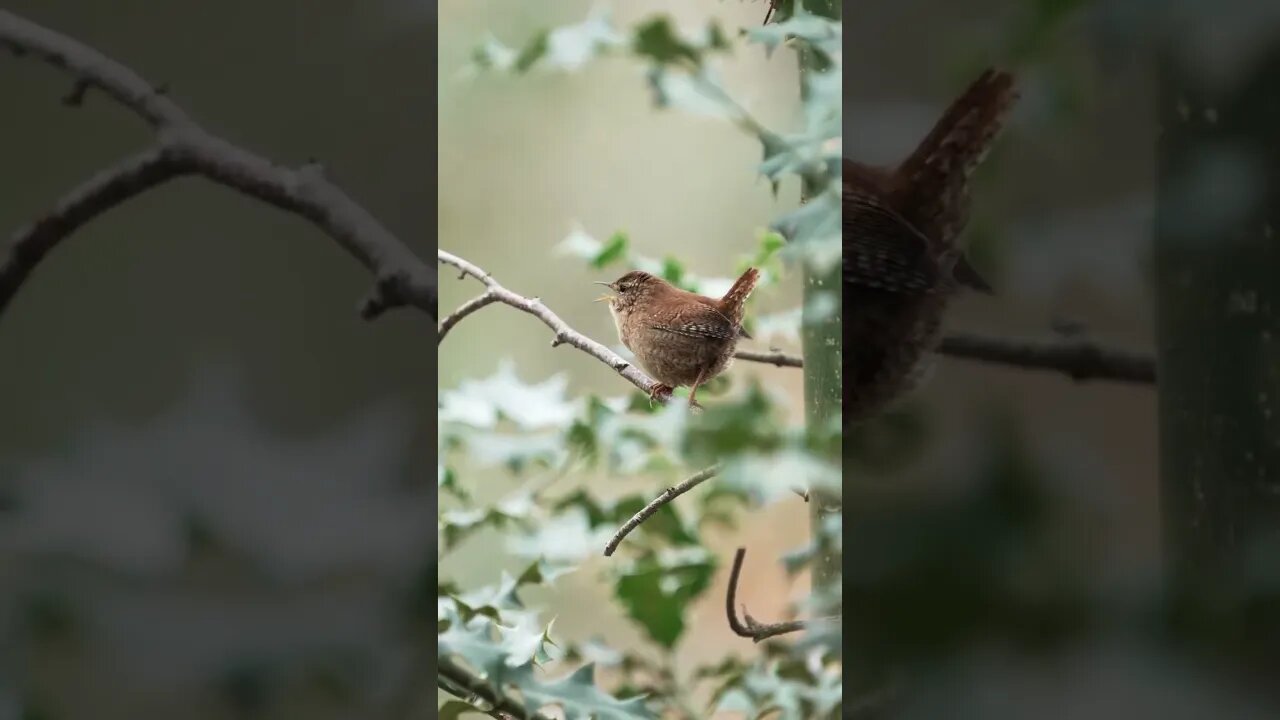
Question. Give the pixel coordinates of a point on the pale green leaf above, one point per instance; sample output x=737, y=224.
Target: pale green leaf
x=579, y=699
x=481, y=403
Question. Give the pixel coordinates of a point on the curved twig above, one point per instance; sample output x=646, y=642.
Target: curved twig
x=186, y=147
x=647, y=511
x=748, y=627
x=110, y=187
x=464, y=310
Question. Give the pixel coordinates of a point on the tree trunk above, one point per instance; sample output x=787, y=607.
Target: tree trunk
x=1217, y=264
x=821, y=343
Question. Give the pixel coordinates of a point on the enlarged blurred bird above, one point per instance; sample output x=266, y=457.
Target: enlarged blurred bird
x=902, y=259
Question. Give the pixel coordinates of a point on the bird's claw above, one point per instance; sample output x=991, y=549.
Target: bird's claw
x=659, y=391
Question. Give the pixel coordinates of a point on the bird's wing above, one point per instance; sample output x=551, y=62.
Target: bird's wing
x=695, y=319
x=715, y=304
x=881, y=249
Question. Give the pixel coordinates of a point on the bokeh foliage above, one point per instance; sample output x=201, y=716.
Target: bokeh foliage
x=974, y=586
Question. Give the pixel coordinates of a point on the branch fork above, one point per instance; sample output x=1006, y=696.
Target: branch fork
x=183, y=147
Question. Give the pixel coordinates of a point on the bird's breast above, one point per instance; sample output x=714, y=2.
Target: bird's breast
x=620, y=324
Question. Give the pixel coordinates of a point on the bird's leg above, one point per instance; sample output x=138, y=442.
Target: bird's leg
x=693, y=392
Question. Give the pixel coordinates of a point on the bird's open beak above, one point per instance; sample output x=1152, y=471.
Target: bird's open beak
x=603, y=298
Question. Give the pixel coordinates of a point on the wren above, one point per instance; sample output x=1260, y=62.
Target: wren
x=902, y=261
x=678, y=337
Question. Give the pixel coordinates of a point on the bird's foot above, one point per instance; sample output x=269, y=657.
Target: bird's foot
x=658, y=391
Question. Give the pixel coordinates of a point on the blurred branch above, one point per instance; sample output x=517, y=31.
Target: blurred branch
x=768, y=15
x=654, y=505
x=110, y=187
x=875, y=702
x=770, y=358
x=1079, y=359
x=748, y=627
x=404, y=698
x=564, y=335
x=187, y=148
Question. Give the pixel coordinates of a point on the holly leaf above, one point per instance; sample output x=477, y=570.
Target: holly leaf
x=482, y=403
x=657, y=589
x=579, y=699
x=447, y=481
x=813, y=232
x=614, y=250
x=566, y=538
x=658, y=40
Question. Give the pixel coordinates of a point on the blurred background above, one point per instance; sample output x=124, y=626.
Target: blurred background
x=1008, y=536
x=214, y=476
x=1061, y=226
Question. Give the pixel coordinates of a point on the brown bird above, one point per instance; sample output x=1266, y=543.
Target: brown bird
x=678, y=337
x=902, y=262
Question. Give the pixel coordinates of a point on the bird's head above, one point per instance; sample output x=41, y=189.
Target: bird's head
x=625, y=290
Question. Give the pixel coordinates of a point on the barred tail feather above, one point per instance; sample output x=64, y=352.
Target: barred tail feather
x=965, y=132
x=733, y=300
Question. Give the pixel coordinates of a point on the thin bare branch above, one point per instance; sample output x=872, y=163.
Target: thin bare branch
x=91, y=68
x=1079, y=359
x=748, y=627
x=401, y=278
x=564, y=335
x=647, y=511
x=466, y=309
x=110, y=187
x=874, y=702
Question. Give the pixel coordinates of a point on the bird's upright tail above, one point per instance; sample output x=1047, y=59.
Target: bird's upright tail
x=963, y=136
x=732, y=302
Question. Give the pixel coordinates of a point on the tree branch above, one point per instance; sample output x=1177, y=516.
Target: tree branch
x=564, y=335
x=452, y=677
x=401, y=278
x=91, y=69
x=466, y=309
x=770, y=358
x=110, y=187
x=647, y=511
x=489, y=297
x=749, y=627
x=1079, y=359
